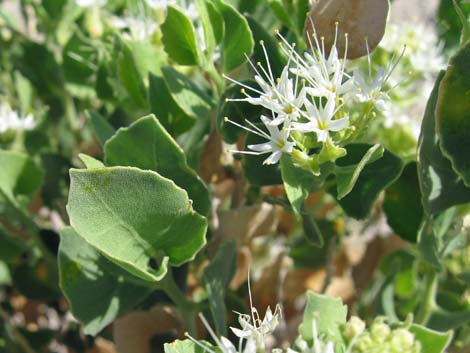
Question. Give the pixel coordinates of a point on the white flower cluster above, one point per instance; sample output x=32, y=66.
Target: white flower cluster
x=311, y=103
x=11, y=121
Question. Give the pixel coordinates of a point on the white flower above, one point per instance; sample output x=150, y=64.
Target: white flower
x=277, y=140
x=321, y=119
x=159, y=4
x=140, y=28
x=253, y=328
x=371, y=90
x=10, y=120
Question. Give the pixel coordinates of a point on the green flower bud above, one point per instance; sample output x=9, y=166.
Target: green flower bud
x=380, y=331
x=402, y=339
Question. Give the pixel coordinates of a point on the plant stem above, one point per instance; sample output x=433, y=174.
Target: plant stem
x=184, y=305
x=429, y=303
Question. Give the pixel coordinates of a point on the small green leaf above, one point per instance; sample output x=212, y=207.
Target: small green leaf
x=147, y=145
x=103, y=129
x=402, y=204
x=19, y=176
x=329, y=313
x=98, y=291
x=90, y=162
x=298, y=183
x=440, y=186
x=374, y=177
x=212, y=24
x=346, y=177
x=189, y=97
x=217, y=277
x=137, y=219
x=238, y=40
x=453, y=113
x=311, y=230
x=179, y=38
x=431, y=341
x=11, y=248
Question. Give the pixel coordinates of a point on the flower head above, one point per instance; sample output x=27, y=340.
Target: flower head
x=277, y=140
x=10, y=120
x=320, y=119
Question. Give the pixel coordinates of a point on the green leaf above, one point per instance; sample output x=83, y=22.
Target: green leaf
x=236, y=112
x=277, y=61
x=186, y=346
x=162, y=104
x=5, y=277
x=402, y=204
x=103, y=129
x=135, y=218
x=280, y=11
x=256, y=172
x=217, y=277
x=329, y=313
x=11, y=248
x=375, y=176
x=189, y=97
x=453, y=113
x=346, y=177
x=90, y=162
x=431, y=341
x=449, y=23
x=19, y=176
x=179, y=38
x=311, y=230
x=440, y=186
x=297, y=183
x=130, y=77
x=238, y=40
x=98, y=291
x=147, y=145
x=212, y=24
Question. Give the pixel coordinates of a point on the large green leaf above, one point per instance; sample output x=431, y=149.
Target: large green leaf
x=179, y=37
x=238, y=40
x=189, y=97
x=440, y=186
x=375, y=176
x=138, y=219
x=329, y=313
x=19, y=175
x=217, y=277
x=402, y=204
x=147, y=145
x=98, y=291
x=453, y=113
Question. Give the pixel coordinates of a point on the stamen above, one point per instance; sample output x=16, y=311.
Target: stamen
x=192, y=339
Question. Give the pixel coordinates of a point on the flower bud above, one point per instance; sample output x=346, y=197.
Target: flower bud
x=354, y=327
